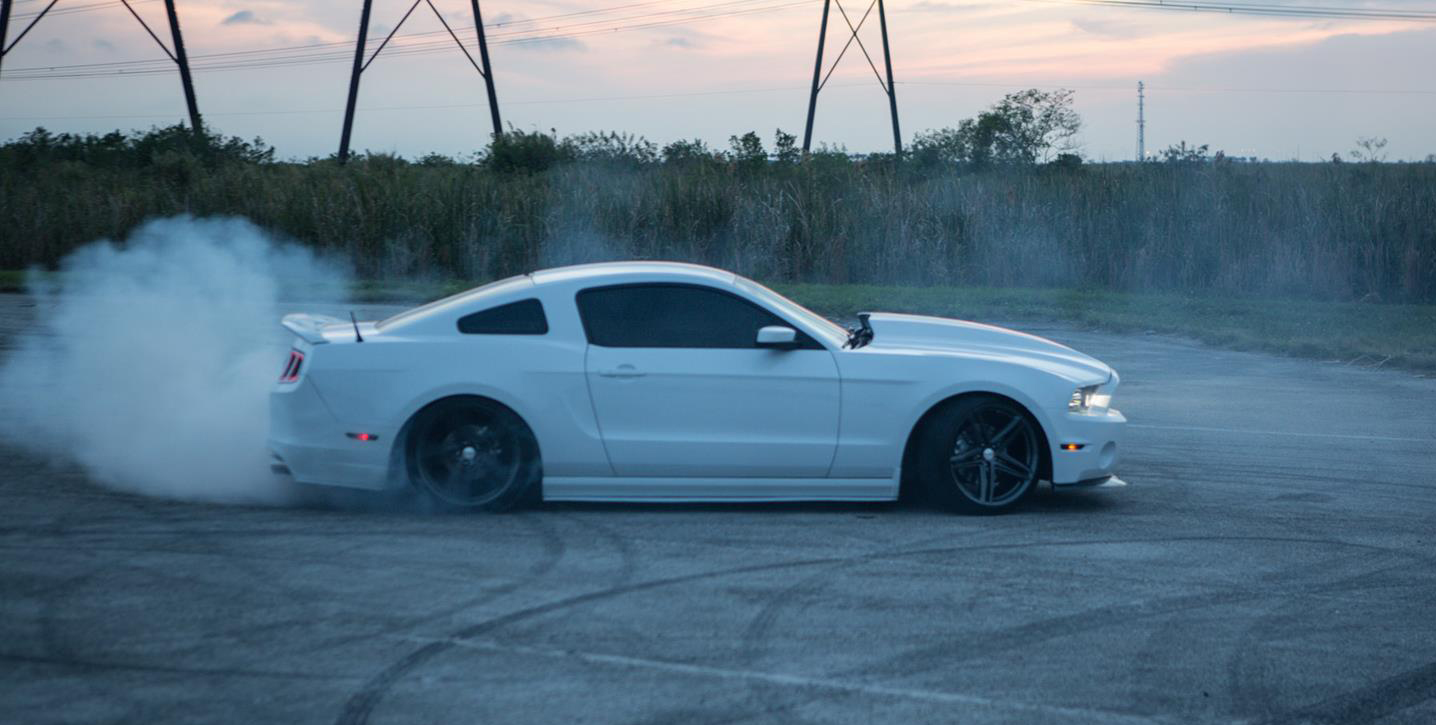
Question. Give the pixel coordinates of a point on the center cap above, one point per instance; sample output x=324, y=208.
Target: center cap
x=469, y=454
x=988, y=454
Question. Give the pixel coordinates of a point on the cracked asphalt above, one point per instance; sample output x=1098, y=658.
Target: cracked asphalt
x=1271, y=562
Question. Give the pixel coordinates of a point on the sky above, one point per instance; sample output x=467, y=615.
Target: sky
x=1271, y=87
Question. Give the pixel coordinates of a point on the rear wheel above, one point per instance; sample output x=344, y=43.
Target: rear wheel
x=980, y=455
x=472, y=453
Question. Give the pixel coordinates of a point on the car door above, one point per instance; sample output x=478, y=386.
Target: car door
x=680, y=387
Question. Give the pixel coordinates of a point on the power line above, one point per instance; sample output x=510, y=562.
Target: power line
x=72, y=9
x=282, y=57
x=1264, y=9
x=332, y=52
x=447, y=106
x=1179, y=89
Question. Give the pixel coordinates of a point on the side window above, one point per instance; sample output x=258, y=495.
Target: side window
x=672, y=315
x=524, y=317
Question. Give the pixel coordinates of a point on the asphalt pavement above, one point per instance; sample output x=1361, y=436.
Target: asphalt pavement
x=1271, y=561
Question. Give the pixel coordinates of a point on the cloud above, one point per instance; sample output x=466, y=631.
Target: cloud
x=555, y=45
x=244, y=17
x=684, y=43
x=928, y=6
x=1109, y=28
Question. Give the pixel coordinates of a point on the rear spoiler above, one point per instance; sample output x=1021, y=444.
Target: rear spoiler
x=309, y=327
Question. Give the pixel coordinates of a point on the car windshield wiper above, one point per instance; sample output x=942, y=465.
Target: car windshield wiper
x=860, y=335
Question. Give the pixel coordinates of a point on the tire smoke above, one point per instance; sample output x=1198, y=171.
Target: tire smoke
x=151, y=361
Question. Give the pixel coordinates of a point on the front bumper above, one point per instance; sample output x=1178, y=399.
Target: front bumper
x=1099, y=438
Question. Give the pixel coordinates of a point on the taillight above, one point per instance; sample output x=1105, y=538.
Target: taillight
x=291, y=369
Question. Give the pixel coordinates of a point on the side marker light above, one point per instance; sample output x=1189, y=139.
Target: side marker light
x=363, y=436
x=1073, y=446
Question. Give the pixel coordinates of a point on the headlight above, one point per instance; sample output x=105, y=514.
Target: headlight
x=1088, y=400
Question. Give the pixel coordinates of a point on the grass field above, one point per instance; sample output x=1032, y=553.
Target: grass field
x=1388, y=335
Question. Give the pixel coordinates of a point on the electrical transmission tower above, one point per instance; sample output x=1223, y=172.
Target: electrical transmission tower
x=360, y=64
x=1141, y=123
x=820, y=79
x=177, y=54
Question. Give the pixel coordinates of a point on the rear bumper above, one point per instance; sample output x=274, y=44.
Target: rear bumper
x=307, y=443
x=1099, y=438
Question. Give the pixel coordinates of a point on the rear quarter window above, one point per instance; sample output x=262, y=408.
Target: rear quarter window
x=525, y=317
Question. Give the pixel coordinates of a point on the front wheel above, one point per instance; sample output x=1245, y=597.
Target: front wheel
x=980, y=455
x=474, y=454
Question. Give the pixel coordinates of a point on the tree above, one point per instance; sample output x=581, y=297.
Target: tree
x=785, y=147
x=684, y=151
x=748, y=151
x=611, y=147
x=525, y=151
x=1033, y=124
x=1183, y=154
x=1369, y=149
x=1023, y=128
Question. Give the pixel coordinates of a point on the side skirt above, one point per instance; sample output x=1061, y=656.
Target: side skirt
x=662, y=489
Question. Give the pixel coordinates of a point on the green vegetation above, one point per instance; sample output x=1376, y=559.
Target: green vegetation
x=1350, y=231
x=1388, y=335
x=1361, y=334
x=991, y=219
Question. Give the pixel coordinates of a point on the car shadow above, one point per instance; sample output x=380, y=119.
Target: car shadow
x=1043, y=501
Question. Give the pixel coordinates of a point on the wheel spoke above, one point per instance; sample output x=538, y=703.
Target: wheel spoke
x=1012, y=465
x=1012, y=470
x=998, y=439
x=455, y=482
x=970, y=454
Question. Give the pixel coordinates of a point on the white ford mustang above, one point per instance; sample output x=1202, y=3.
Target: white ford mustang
x=657, y=381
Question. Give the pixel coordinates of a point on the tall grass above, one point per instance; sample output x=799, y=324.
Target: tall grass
x=1319, y=231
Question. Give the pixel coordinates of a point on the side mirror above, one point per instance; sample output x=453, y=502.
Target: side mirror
x=778, y=337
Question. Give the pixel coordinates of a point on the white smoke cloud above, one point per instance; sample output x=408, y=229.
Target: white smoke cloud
x=150, y=361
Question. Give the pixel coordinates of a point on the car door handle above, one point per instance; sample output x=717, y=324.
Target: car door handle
x=622, y=371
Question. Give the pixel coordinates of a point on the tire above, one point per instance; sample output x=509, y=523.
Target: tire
x=472, y=453
x=980, y=455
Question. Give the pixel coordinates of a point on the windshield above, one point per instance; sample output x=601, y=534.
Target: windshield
x=816, y=322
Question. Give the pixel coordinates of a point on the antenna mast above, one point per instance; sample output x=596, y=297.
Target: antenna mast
x=1141, y=122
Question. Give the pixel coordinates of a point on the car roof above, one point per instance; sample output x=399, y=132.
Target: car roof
x=612, y=272
x=643, y=270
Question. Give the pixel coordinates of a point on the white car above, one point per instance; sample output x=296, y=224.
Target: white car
x=658, y=381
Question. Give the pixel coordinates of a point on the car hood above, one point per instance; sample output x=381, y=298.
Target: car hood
x=918, y=333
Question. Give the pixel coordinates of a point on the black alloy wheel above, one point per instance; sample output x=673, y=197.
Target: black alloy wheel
x=472, y=453
x=981, y=455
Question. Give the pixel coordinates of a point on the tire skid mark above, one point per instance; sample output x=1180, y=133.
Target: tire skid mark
x=554, y=550
x=94, y=664
x=1168, y=635
x=361, y=704
x=1370, y=703
x=1252, y=694
x=756, y=632
x=769, y=701
x=627, y=558
x=802, y=682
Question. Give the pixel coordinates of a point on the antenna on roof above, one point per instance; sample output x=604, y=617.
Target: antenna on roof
x=357, y=337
